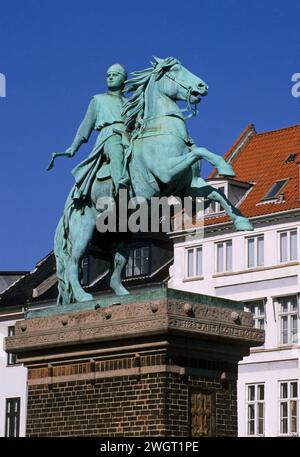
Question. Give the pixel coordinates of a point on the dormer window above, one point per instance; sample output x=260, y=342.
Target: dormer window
x=275, y=189
x=234, y=190
x=291, y=158
x=215, y=207
x=138, y=262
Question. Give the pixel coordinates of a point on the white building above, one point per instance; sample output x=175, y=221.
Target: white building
x=13, y=395
x=260, y=268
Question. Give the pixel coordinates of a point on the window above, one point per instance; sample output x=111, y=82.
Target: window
x=288, y=405
x=255, y=251
x=85, y=271
x=291, y=158
x=275, y=189
x=288, y=245
x=258, y=311
x=288, y=319
x=255, y=409
x=194, y=262
x=12, y=417
x=224, y=256
x=138, y=262
x=11, y=358
x=215, y=207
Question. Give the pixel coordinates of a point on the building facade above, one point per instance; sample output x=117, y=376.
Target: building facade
x=260, y=268
x=13, y=375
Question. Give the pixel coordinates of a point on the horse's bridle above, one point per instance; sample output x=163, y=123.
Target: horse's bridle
x=192, y=110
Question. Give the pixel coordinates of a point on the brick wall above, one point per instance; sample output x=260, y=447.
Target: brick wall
x=179, y=409
x=109, y=402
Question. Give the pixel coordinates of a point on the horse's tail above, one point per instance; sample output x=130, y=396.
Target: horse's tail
x=62, y=250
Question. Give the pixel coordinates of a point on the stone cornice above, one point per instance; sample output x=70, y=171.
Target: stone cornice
x=132, y=321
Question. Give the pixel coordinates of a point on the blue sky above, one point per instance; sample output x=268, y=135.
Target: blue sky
x=54, y=54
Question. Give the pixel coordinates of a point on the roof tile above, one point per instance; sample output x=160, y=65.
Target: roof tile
x=262, y=160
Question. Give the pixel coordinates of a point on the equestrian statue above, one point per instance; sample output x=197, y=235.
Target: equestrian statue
x=142, y=146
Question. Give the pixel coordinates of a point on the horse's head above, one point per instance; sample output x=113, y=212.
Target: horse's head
x=177, y=82
x=170, y=78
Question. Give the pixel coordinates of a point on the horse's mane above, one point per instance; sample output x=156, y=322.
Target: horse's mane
x=134, y=108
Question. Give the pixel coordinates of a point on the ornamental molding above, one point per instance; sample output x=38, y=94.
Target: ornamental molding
x=133, y=320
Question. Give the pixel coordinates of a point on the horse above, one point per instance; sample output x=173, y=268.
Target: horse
x=161, y=160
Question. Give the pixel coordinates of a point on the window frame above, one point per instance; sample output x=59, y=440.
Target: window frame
x=11, y=359
x=85, y=271
x=133, y=249
x=275, y=196
x=217, y=205
x=288, y=400
x=256, y=316
x=288, y=314
x=13, y=400
x=194, y=250
x=224, y=262
x=256, y=403
x=255, y=254
x=288, y=232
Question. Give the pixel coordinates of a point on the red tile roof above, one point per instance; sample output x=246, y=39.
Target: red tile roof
x=262, y=160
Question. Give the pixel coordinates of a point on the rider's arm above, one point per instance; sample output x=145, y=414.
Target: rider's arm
x=85, y=129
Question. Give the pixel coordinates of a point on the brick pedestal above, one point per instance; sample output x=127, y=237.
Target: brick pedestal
x=165, y=366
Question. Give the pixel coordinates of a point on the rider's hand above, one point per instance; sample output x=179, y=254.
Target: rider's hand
x=71, y=151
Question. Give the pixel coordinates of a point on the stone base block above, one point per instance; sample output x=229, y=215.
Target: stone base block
x=161, y=367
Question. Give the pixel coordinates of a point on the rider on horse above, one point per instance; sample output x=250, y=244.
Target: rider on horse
x=104, y=116
x=161, y=163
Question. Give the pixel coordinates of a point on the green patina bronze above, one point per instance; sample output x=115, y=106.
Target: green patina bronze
x=143, y=144
x=151, y=294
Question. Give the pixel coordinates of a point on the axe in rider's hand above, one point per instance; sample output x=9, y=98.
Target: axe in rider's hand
x=58, y=154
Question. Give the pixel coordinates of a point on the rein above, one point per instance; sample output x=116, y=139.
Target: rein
x=139, y=133
x=192, y=110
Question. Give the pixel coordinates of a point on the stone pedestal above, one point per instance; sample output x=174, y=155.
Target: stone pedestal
x=163, y=364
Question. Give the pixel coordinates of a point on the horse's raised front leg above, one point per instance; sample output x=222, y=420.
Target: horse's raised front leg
x=174, y=166
x=167, y=168
x=217, y=161
x=81, y=231
x=200, y=188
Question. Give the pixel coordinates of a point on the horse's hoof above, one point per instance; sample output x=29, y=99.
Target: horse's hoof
x=242, y=223
x=122, y=291
x=226, y=170
x=118, y=287
x=82, y=297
